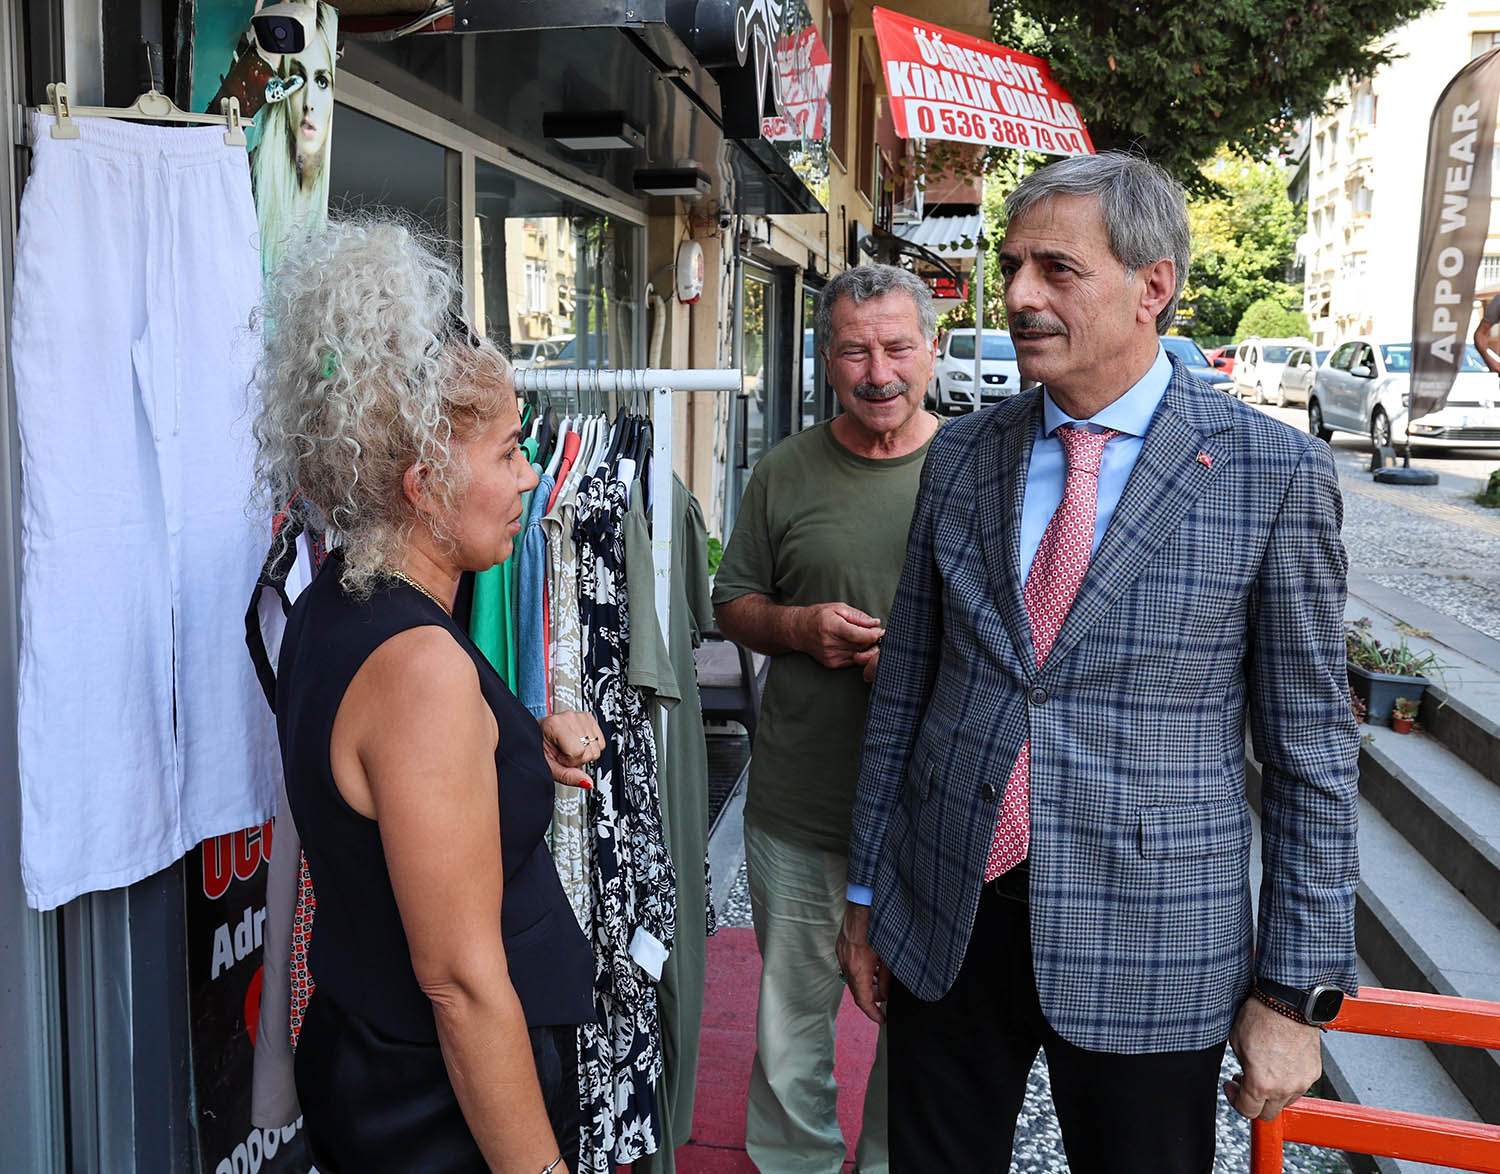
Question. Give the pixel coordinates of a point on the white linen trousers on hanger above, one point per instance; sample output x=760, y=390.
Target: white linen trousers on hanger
x=142, y=729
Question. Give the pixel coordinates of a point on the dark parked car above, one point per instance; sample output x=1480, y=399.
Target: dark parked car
x=1186, y=352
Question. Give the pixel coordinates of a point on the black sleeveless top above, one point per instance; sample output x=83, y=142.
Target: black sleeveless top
x=358, y=954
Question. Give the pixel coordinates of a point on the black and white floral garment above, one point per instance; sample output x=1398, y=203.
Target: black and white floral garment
x=633, y=888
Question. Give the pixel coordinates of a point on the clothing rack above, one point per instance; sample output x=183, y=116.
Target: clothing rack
x=662, y=385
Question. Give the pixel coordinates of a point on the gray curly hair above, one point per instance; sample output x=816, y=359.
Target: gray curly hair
x=365, y=370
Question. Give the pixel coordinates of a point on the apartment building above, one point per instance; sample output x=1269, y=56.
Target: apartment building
x=1364, y=180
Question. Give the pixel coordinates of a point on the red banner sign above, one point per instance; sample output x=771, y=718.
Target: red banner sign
x=805, y=69
x=945, y=85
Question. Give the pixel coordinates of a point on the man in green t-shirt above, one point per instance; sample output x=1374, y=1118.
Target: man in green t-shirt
x=807, y=578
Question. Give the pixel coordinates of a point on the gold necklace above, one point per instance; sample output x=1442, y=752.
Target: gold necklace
x=415, y=586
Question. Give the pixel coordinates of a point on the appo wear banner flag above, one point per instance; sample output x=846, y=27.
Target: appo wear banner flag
x=945, y=85
x=1455, y=222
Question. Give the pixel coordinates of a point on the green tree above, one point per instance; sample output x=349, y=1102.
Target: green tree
x=1244, y=236
x=1269, y=318
x=1177, y=79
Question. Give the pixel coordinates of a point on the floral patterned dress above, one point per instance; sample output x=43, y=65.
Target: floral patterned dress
x=570, y=848
x=633, y=889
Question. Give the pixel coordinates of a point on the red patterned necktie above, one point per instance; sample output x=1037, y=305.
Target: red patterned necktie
x=1056, y=573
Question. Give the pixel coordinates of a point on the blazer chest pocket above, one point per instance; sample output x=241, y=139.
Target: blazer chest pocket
x=1192, y=829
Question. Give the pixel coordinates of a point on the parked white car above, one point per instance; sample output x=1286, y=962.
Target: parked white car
x=953, y=375
x=1365, y=386
x=1258, y=363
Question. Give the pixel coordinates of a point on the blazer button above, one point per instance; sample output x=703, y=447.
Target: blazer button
x=1037, y=696
x=987, y=792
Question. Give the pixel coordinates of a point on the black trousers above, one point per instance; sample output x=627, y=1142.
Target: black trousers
x=958, y=1069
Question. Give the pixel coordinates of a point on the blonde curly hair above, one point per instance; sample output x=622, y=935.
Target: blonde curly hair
x=365, y=370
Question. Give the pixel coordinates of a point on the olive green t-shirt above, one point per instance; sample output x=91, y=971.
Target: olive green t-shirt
x=817, y=524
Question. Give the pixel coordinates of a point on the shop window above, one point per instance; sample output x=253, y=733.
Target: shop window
x=811, y=378
x=838, y=86
x=1482, y=43
x=867, y=149
x=376, y=165
x=553, y=270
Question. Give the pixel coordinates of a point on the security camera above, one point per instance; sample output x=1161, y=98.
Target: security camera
x=282, y=28
x=726, y=220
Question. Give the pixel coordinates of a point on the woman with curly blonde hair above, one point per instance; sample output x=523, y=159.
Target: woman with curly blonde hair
x=450, y=971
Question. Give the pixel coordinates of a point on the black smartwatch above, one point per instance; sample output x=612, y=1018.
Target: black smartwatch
x=1317, y=1007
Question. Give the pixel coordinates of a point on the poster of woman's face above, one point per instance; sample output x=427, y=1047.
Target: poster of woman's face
x=290, y=96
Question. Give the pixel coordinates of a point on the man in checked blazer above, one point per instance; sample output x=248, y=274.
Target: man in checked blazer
x=1122, y=944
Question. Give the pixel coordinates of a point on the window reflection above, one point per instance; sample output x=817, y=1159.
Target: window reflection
x=556, y=278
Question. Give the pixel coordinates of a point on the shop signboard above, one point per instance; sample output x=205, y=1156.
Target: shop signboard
x=805, y=70
x=946, y=85
x=226, y=913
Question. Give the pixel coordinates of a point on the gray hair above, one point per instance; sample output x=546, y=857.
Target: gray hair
x=1144, y=210
x=361, y=375
x=864, y=282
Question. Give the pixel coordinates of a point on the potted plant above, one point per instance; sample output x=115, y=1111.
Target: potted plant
x=1381, y=673
x=1403, y=713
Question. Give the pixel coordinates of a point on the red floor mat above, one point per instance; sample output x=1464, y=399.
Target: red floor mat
x=728, y=1046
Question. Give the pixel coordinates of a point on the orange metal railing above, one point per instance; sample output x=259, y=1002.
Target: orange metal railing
x=1459, y=1145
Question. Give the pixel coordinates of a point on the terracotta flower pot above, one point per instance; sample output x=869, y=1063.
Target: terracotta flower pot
x=1402, y=725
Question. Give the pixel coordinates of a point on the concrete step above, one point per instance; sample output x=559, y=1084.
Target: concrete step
x=1417, y=932
x=1461, y=707
x=1392, y=1074
x=1462, y=728
x=1442, y=806
x=1374, y=1070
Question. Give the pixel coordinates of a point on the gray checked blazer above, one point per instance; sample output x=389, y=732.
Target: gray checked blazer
x=1218, y=587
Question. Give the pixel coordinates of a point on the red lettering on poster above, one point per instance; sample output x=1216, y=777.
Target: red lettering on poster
x=217, y=869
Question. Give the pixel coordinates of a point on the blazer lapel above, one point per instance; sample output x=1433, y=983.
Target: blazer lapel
x=1167, y=479
x=1004, y=458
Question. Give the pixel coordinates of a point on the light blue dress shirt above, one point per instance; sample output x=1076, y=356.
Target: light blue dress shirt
x=1130, y=415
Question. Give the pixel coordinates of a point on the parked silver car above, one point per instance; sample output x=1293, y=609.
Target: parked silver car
x=1295, y=384
x=1365, y=387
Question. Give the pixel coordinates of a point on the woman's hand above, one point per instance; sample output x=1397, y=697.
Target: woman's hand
x=570, y=740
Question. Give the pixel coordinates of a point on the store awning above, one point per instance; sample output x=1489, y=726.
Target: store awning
x=765, y=182
x=887, y=248
x=948, y=85
x=947, y=236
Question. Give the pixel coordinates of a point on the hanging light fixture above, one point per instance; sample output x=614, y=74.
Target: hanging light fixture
x=689, y=181
x=609, y=130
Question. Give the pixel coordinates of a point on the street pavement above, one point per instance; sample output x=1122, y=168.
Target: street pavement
x=1431, y=542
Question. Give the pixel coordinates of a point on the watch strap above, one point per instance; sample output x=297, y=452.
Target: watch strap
x=1280, y=1006
x=1294, y=1002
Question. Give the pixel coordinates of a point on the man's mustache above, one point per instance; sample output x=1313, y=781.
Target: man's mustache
x=868, y=390
x=1034, y=323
